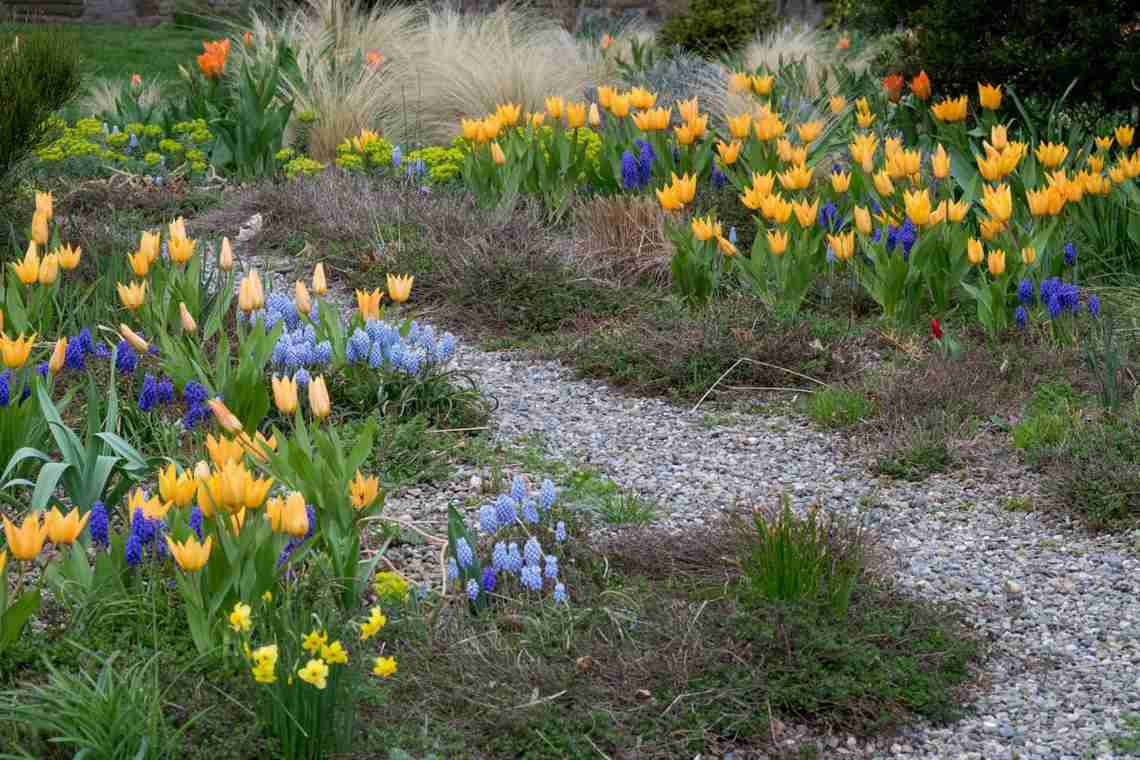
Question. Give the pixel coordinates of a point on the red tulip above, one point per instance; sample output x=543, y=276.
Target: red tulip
x=936, y=329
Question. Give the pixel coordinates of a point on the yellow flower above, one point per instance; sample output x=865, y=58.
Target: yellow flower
x=810, y=130
x=1096, y=163
x=1051, y=154
x=181, y=249
x=951, y=109
x=863, y=220
x=151, y=245
x=917, y=207
x=320, y=286
x=363, y=491
x=222, y=450
x=555, y=105
x=497, y=154
x=776, y=209
x=883, y=183
x=863, y=150
x=489, y=129
x=738, y=82
x=796, y=178
x=999, y=136
x=49, y=269
x=840, y=181
x=314, y=640
x=334, y=653
x=400, y=287
x=690, y=110
x=606, y=96
x=388, y=583
x=369, y=303
x=653, y=120
x=69, y=257
x=726, y=246
x=990, y=228
x=15, y=351
x=240, y=619
x=295, y=518
x=685, y=134
x=188, y=323
x=777, y=242
x=940, y=163
x=686, y=187
x=1104, y=143
x=28, y=270
x=372, y=626
x=284, y=394
x=575, y=115
x=1045, y=201
x=842, y=245
x=265, y=663
x=26, y=541
x=957, y=210
x=998, y=202
x=837, y=103
x=136, y=341
x=3, y=560
x=175, y=487
x=619, y=106
x=864, y=119
x=974, y=251
x=806, y=213
x=258, y=445
x=729, y=152
x=1118, y=173
x=384, y=666
x=190, y=555
x=1028, y=255
x=319, y=403
x=40, y=228
x=762, y=84
x=44, y=204
x=740, y=126
x=668, y=198
x=251, y=294
x=469, y=128
x=227, y=419
x=706, y=228
x=177, y=228
x=315, y=672
x=64, y=529
x=768, y=127
x=226, y=256
x=996, y=262
x=508, y=113
x=1124, y=134
x=58, y=356
x=989, y=96
x=256, y=489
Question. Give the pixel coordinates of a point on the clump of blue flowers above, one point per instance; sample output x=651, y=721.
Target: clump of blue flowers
x=1056, y=296
x=637, y=167
x=379, y=345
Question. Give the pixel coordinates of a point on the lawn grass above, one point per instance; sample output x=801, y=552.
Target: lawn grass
x=116, y=51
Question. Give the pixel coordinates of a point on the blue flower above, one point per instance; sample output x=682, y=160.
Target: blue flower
x=165, y=391
x=1094, y=306
x=499, y=557
x=196, y=521
x=1070, y=254
x=505, y=510
x=42, y=369
x=518, y=488
x=126, y=359
x=73, y=357
x=532, y=551
x=85, y=341
x=719, y=178
x=301, y=377
x=560, y=594
x=514, y=559
x=732, y=234
x=488, y=522
x=452, y=569
x=322, y=353
x=194, y=393
x=1026, y=291
x=646, y=157
x=133, y=549
x=5, y=387
x=397, y=155
x=472, y=589
x=547, y=494
x=829, y=217
x=464, y=553
x=148, y=397
x=551, y=570
x=488, y=579
x=630, y=172
x=531, y=578
x=97, y=525
x=1020, y=316
x=560, y=532
x=1055, y=306
x=530, y=512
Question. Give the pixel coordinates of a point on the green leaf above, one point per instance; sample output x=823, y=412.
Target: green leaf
x=14, y=618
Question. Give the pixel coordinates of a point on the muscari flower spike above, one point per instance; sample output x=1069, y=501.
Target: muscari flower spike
x=532, y=551
x=488, y=522
x=97, y=525
x=531, y=578
x=464, y=553
x=472, y=589
x=560, y=532
x=560, y=594
x=530, y=512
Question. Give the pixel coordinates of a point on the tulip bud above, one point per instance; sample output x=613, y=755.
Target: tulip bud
x=58, y=356
x=595, y=117
x=863, y=220
x=320, y=287
x=134, y=339
x=497, y=154
x=1029, y=255
x=49, y=269
x=136, y=81
x=188, y=323
x=301, y=298
x=974, y=251
x=40, y=228
x=319, y=398
x=202, y=470
x=226, y=257
x=227, y=419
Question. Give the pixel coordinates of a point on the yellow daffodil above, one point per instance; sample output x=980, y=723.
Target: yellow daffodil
x=69, y=257
x=995, y=262
x=319, y=403
x=368, y=303
x=334, y=653
x=28, y=270
x=64, y=529
x=181, y=249
x=777, y=242
x=314, y=640
x=728, y=152
x=998, y=202
x=15, y=351
x=265, y=664
x=226, y=256
x=705, y=228
x=384, y=666
x=989, y=96
x=241, y=619
x=45, y=204
x=1124, y=134
x=315, y=672
x=806, y=213
x=1051, y=154
x=740, y=126
x=190, y=555
x=1028, y=255
x=376, y=621
x=251, y=293
x=917, y=207
x=974, y=251
x=284, y=394
x=26, y=541
x=951, y=109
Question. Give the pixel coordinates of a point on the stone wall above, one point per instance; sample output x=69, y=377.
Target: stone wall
x=97, y=11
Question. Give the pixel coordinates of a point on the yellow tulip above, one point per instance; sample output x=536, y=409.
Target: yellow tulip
x=177, y=228
x=739, y=82
x=1124, y=134
x=181, y=249
x=469, y=128
x=508, y=113
x=689, y=110
x=740, y=126
x=917, y=207
x=133, y=296
x=1118, y=173
x=190, y=555
x=840, y=181
x=837, y=103
x=762, y=84
x=49, y=269
x=62, y=530
x=227, y=419
x=653, y=120
x=951, y=110
x=842, y=245
x=806, y=213
x=957, y=210
x=69, y=257
x=497, y=154
x=974, y=251
x=1043, y=200
x=777, y=242
x=998, y=202
x=796, y=178
x=863, y=220
x=136, y=341
x=776, y=209
x=864, y=119
x=1051, y=154
x=369, y=303
x=40, y=228
x=188, y=323
x=999, y=136
x=222, y=450
x=685, y=134
x=810, y=130
x=320, y=286
x=284, y=394
x=1104, y=143
x=606, y=96
x=294, y=518
x=151, y=245
x=990, y=228
x=177, y=488
x=729, y=152
x=226, y=256
x=256, y=489
x=319, y=403
x=251, y=294
x=726, y=246
x=883, y=183
x=27, y=541
x=706, y=228
x=15, y=351
x=863, y=150
x=44, y=204
x=575, y=115
x=768, y=127
x=58, y=356
x=996, y=262
x=1096, y=163
x=1028, y=255
x=989, y=96
x=555, y=105
x=140, y=263
x=363, y=491
x=668, y=198
x=28, y=270
x=940, y=162
x=619, y=106
x=400, y=287
x=686, y=187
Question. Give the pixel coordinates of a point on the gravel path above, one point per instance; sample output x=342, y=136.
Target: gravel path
x=1059, y=607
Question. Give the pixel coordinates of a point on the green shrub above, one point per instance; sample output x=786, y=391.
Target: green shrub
x=1096, y=473
x=838, y=407
x=1038, y=46
x=1049, y=418
x=39, y=73
x=717, y=26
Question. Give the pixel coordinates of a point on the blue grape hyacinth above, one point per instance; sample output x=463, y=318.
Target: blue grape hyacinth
x=531, y=578
x=560, y=596
x=464, y=553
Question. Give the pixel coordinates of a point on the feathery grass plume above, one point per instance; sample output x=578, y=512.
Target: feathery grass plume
x=102, y=94
x=804, y=44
